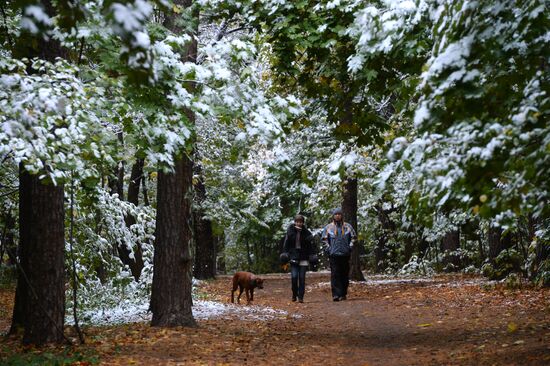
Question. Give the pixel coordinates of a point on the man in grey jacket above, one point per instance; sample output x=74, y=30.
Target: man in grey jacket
x=338, y=238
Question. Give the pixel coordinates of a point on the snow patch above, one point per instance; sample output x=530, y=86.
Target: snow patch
x=127, y=312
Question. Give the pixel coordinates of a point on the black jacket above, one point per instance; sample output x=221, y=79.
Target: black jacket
x=306, y=243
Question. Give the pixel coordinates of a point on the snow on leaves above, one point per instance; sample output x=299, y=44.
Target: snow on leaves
x=46, y=120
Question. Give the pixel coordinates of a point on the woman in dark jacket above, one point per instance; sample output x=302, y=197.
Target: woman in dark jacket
x=299, y=246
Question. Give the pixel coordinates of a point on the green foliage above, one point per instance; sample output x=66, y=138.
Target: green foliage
x=67, y=356
x=543, y=274
x=506, y=262
x=8, y=276
x=313, y=50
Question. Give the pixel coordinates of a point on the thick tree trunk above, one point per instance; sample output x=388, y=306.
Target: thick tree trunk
x=171, y=299
x=136, y=263
x=40, y=293
x=171, y=294
x=349, y=208
x=205, y=248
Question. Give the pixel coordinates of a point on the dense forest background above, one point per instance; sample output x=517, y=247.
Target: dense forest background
x=146, y=142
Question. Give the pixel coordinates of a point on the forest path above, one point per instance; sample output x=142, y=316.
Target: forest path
x=447, y=320
x=443, y=320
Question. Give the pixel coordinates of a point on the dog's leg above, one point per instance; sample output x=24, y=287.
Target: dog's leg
x=240, y=293
x=234, y=289
x=251, y=294
x=247, y=297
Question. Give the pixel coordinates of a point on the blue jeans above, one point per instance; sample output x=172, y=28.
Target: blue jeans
x=298, y=277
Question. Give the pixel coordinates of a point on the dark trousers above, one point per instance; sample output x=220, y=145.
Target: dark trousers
x=339, y=275
x=298, y=277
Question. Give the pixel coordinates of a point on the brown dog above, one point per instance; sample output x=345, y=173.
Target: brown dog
x=247, y=281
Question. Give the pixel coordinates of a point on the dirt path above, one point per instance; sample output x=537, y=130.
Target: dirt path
x=441, y=321
x=447, y=321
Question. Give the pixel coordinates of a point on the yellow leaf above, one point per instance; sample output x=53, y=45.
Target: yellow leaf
x=425, y=325
x=176, y=9
x=512, y=327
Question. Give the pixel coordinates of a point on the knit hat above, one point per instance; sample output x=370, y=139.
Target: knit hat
x=337, y=211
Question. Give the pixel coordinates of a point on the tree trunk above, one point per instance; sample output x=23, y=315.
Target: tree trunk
x=136, y=177
x=205, y=255
x=387, y=227
x=380, y=254
x=136, y=263
x=408, y=248
x=40, y=293
x=422, y=244
x=349, y=208
x=205, y=249
x=220, y=247
x=542, y=248
x=171, y=293
x=144, y=190
x=450, y=243
x=171, y=299
x=116, y=182
x=496, y=244
x=248, y=254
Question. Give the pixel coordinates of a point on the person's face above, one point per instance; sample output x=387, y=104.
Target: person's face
x=298, y=223
x=338, y=217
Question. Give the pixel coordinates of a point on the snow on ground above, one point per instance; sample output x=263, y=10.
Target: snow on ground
x=382, y=280
x=134, y=313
